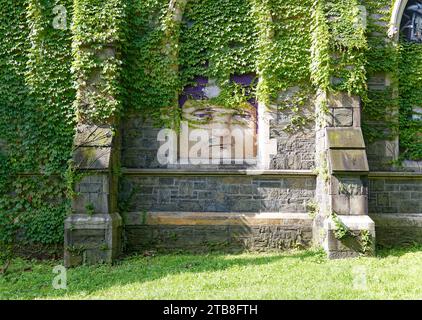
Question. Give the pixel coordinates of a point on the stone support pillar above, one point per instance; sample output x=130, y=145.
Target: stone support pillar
x=93, y=230
x=342, y=184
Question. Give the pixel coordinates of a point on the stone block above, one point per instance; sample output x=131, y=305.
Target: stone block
x=353, y=244
x=398, y=197
x=353, y=185
x=348, y=161
x=200, y=185
x=340, y=204
x=343, y=117
x=225, y=231
x=358, y=205
x=92, y=239
x=409, y=206
x=93, y=136
x=377, y=185
x=269, y=184
x=348, y=138
x=343, y=100
x=246, y=189
x=357, y=118
x=79, y=203
x=383, y=199
x=166, y=181
x=89, y=187
x=416, y=196
x=92, y=157
x=193, y=205
x=351, y=101
x=248, y=205
x=88, y=238
x=100, y=202
x=295, y=183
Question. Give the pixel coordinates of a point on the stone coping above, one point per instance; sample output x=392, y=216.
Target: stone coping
x=95, y=221
x=225, y=172
x=397, y=219
x=219, y=172
x=395, y=174
x=216, y=218
x=356, y=222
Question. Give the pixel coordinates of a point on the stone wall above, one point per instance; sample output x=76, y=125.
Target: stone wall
x=295, y=152
x=161, y=207
x=395, y=204
x=139, y=143
x=395, y=195
x=294, y=132
x=295, y=149
x=225, y=212
x=217, y=193
x=395, y=230
x=212, y=231
x=161, y=204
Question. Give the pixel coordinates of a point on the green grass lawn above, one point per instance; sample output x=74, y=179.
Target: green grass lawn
x=393, y=274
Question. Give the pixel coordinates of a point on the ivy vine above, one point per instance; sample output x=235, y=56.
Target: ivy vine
x=36, y=120
x=120, y=56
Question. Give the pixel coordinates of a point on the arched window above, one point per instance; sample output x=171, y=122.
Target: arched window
x=410, y=86
x=411, y=22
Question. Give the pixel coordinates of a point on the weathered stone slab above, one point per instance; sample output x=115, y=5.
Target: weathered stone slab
x=216, y=218
x=345, y=138
x=208, y=231
x=92, y=157
x=343, y=100
x=353, y=222
x=93, y=136
x=348, y=161
x=359, y=205
x=343, y=117
x=340, y=204
x=91, y=239
x=352, y=245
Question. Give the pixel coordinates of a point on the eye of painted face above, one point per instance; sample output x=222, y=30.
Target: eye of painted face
x=241, y=116
x=204, y=114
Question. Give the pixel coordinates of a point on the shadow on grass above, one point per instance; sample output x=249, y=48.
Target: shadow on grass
x=385, y=252
x=138, y=269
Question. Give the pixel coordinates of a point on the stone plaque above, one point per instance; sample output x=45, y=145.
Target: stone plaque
x=347, y=138
x=351, y=160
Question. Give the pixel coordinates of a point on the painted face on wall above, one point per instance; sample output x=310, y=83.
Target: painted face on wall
x=231, y=131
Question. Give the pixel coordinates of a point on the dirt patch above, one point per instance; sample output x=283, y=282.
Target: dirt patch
x=39, y=252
